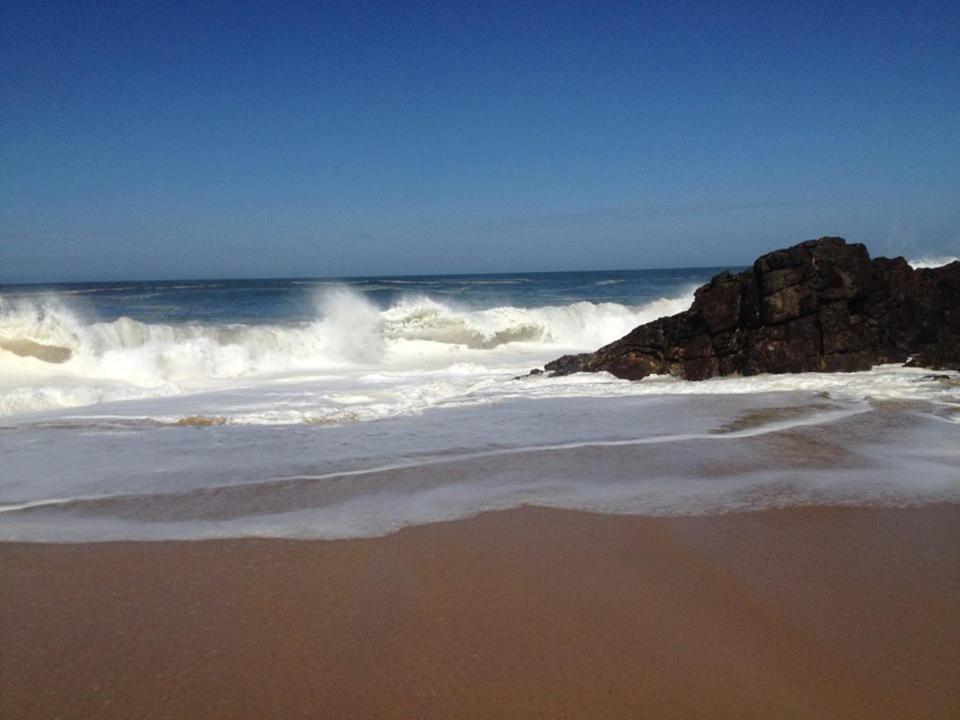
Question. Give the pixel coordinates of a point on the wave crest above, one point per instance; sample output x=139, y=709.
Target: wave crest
x=43, y=342
x=932, y=261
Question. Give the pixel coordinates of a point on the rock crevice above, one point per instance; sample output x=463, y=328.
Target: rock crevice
x=823, y=305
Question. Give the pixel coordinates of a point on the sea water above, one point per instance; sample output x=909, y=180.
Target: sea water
x=352, y=407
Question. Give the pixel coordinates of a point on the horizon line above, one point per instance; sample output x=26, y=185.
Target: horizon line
x=361, y=277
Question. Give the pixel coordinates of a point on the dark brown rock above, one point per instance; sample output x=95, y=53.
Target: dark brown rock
x=822, y=305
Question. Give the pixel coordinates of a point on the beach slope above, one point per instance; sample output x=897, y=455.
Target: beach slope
x=797, y=613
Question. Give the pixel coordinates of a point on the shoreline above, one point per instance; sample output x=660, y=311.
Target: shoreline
x=798, y=612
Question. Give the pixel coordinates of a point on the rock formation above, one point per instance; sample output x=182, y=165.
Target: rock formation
x=822, y=305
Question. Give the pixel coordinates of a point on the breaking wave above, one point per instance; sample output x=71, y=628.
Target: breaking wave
x=51, y=355
x=932, y=261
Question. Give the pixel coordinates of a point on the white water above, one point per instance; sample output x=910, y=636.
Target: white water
x=933, y=261
x=353, y=363
x=653, y=455
x=365, y=420
x=127, y=359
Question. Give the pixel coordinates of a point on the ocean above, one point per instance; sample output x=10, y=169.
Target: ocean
x=356, y=406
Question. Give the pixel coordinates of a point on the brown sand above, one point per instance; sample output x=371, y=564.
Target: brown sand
x=804, y=613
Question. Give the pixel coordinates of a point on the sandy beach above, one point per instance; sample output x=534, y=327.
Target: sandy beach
x=799, y=613
x=479, y=361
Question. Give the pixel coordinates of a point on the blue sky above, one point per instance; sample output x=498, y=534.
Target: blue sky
x=233, y=139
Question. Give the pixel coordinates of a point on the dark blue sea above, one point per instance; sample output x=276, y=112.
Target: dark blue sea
x=291, y=299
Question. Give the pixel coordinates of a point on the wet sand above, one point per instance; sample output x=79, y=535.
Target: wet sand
x=530, y=613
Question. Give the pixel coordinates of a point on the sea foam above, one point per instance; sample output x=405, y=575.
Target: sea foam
x=933, y=261
x=359, y=418
x=51, y=356
x=653, y=455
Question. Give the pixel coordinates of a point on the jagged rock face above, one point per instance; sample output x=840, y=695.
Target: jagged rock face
x=822, y=305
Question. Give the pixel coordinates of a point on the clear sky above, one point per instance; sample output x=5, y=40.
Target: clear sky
x=234, y=139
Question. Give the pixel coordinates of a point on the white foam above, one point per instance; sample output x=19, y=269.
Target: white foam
x=127, y=359
x=657, y=455
x=933, y=261
x=456, y=431
x=357, y=363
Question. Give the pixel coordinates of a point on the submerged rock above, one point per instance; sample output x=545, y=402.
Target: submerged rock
x=822, y=305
